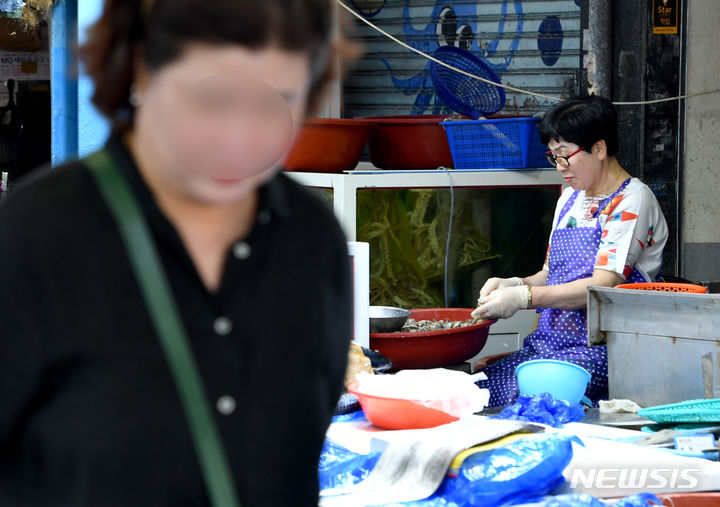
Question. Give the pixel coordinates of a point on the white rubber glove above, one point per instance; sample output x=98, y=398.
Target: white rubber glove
x=497, y=283
x=502, y=303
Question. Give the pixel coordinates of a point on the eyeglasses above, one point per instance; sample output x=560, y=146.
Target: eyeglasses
x=560, y=159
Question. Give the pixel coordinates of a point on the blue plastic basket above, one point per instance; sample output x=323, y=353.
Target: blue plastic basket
x=537, y=159
x=692, y=411
x=462, y=93
x=490, y=144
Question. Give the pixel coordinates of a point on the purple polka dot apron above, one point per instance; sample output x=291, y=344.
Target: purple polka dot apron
x=561, y=334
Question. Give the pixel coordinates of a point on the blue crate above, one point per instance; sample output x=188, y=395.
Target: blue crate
x=490, y=144
x=691, y=411
x=537, y=159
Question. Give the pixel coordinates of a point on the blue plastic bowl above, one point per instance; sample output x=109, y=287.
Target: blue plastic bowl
x=564, y=380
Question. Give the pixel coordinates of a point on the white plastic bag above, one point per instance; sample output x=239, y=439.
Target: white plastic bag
x=453, y=392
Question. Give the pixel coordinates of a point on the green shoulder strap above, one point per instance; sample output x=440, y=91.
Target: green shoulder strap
x=168, y=326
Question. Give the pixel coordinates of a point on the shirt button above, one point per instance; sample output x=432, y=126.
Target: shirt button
x=226, y=405
x=264, y=217
x=222, y=326
x=241, y=250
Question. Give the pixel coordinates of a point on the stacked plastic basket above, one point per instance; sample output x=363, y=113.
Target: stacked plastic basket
x=480, y=143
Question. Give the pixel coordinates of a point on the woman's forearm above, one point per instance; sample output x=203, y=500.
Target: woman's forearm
x=539, y=278
x=572, y=295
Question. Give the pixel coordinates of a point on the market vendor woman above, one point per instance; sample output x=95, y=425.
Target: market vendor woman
x=608, y=229
x=179, y=244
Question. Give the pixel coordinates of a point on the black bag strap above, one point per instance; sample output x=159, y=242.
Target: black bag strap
x=168, y=326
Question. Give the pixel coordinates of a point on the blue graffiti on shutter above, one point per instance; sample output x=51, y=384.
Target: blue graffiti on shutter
x=368, y=8
x=533, y=45
x=450, y=28
x=550, y=40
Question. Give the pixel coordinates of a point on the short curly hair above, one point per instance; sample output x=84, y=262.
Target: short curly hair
x=158, y=30
x=583, y=121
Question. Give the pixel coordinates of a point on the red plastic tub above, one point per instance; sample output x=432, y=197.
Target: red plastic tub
x=328, y=145
x=398, y=413
x=409, y=142
x=433, y=349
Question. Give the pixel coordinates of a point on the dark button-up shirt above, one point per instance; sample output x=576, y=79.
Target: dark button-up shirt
x=89, y=414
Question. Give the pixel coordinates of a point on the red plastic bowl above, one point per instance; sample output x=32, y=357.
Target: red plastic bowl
x=328, y=145
x=433, y=349
x=399, y=413
x=409, y=142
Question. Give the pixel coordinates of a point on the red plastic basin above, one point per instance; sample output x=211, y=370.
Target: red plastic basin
x=691, y=499
x=328, y=145
x=433, y=349
x=398, y=413
x=409, y=142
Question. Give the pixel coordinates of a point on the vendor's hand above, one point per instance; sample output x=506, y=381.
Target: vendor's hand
x=502, y=303
x=497, y=283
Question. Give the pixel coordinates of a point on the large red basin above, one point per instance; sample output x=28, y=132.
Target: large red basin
x=329, y=145
x=433, y=349
x=409, y=142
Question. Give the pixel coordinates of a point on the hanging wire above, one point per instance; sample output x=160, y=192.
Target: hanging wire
x=449, y=235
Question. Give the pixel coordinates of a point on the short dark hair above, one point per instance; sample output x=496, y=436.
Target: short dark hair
x=583, y=121
x=158, y=30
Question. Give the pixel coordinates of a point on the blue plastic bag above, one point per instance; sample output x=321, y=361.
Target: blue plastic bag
x=11, y=6
x=339, y=468
x=543, y=408
x=511, y=474
x=528, y=468
x=580, y=500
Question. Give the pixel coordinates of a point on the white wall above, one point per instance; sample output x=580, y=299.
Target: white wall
x=701, y=200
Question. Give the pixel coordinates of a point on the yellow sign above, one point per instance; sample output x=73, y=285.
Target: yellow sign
x=665, y=16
